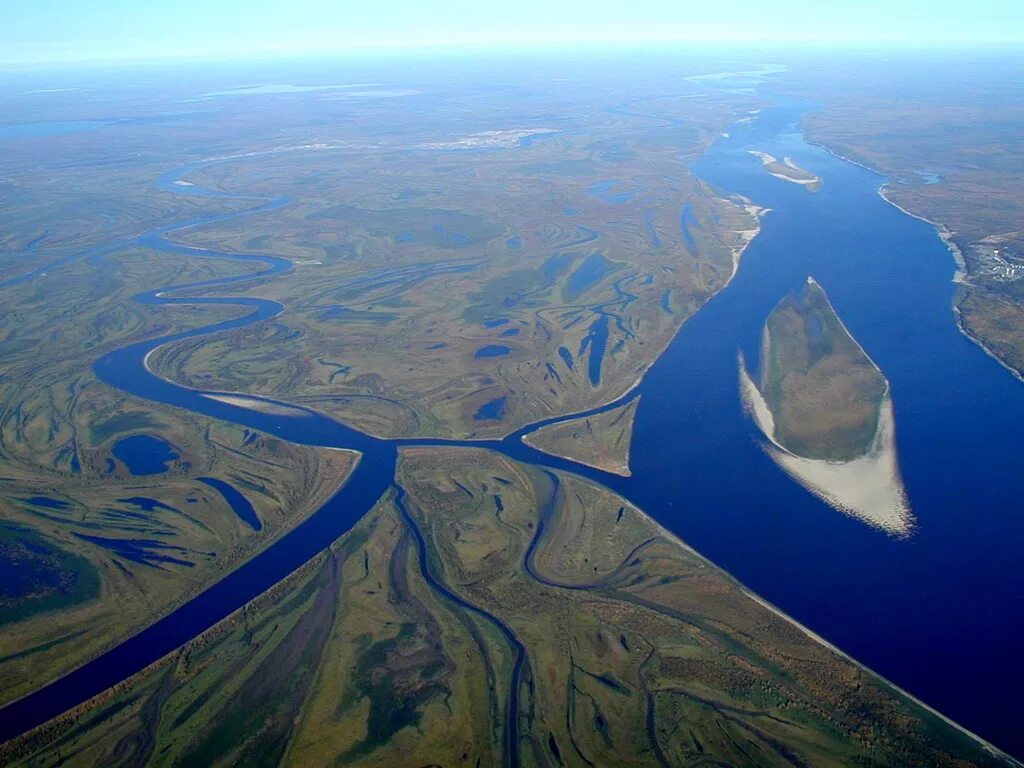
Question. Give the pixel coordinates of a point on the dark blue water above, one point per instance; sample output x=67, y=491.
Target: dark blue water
x=144, y=551
x=938, y=613
x=240, y=505
x=144, y=454
x=566, y=356
x=491, y=410
x=595, y=342
x=46, y=501
x=491, y=350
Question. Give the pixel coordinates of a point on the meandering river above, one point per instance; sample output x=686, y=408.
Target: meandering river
x=937, y=613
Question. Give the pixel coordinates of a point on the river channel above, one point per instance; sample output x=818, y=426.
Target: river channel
x=937, y=612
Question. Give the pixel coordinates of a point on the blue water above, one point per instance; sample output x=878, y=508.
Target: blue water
x=143, y=551
x=595, y=342
x=686, y=220
x=938, y=613
x=240, y=505
x=144, y=454
x=491, y=350
x=46, y=501
x=595, y=268
x=491, y=410
x=566, y=356
x=147, y=504
x=666, y=302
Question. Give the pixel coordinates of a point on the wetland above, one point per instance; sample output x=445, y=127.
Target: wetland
x=293, y=340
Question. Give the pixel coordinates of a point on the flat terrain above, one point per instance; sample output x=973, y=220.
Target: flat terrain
x=601, y=440
x=823, y=391
x=442, y=256
x=500, y=259
x=452, y=281
x=487, y=606
x=110, y=510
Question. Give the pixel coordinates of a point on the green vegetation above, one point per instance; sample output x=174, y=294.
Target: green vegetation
x=601, y=440
x=91, y=553
x=635, y=651
x=823, y=391
x=411, y=248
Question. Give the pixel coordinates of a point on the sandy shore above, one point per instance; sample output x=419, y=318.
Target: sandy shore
x=258, y=404
x=975, y=340
x=944, y=234
x=747, y=235
x=868, y=488
x=770, y=160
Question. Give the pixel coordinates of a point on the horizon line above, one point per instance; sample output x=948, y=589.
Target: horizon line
x=486, y=47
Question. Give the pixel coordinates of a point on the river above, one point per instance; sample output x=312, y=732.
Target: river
x=936, y=612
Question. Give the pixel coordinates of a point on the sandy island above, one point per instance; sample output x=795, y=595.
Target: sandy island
x=788, y=170
x=868, y=487
x=258, y=404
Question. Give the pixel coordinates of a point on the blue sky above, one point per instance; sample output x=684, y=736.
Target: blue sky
x=69, y=30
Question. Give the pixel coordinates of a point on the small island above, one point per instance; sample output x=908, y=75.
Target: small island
x=601, y=440
x=788, y=170
x=826, y=410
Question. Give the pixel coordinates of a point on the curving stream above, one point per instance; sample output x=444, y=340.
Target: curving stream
x=937, y=613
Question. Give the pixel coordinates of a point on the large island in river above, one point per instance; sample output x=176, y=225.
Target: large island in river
x=826, y=410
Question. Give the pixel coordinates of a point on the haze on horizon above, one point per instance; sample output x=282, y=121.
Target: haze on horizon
x=36, y=33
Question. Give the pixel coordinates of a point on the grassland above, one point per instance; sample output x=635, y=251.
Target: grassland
x=497, y=260
x=91, y=551
x=458, y=282
x=601, y=440
x=823, y=391
x=487, y=609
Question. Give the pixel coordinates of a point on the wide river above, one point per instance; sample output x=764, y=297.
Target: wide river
x=937, y=612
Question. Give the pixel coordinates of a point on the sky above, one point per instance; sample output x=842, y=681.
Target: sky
x=41, y=31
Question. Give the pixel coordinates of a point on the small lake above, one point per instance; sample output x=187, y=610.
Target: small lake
x=240, y=505
x=491, y=350
x=144, y=454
